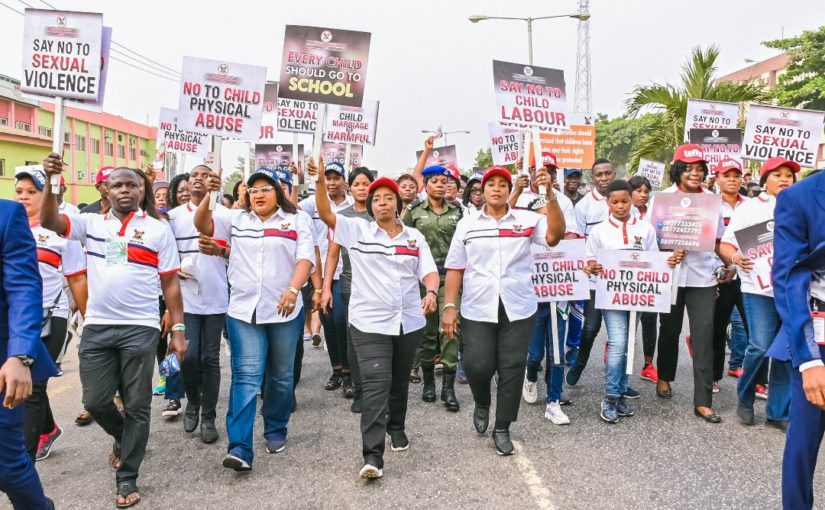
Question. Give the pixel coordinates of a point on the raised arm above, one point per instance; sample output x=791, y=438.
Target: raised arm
x=203, y=216
x=50, y=217
x=422, y=161
x=322, y=204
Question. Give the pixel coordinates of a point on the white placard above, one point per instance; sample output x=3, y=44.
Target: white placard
x=505, y=144
x=634, y=280
x=702, y=114
x=350, y=124
x=558, y=272
x=654, y=171
x=176, y=139
x=783, y=132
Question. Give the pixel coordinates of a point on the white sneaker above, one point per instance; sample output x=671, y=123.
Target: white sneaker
x=530, y=391
x=370, y=472
x=554, y=413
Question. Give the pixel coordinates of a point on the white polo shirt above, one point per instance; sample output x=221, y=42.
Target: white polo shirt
x=590, y=211
x=727, y=214
x=67, y=208
x=385, y=274
x=263, y=260
x=124, y=261
x=533, y=202
x=321, y=231
x=207, y=292
x=751, y=212
x=698, y=266
x=496, y=259
x=57, y=257
x=612, y=234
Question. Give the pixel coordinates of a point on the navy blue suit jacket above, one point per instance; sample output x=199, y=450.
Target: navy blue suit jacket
x=21, y=293
x=799, y=251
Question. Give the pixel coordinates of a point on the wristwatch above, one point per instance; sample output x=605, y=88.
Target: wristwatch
x=26, y=360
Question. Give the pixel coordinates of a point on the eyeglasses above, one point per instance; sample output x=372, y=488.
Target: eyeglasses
x=475, y=191
x=262, y=189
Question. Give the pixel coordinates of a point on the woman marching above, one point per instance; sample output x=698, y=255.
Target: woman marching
x=488, y=258
x=270, y=243
x=386, y=311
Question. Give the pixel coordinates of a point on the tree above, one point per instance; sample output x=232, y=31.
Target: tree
x=665, y=132
x=484, y=158
x=615, y=137
x=230, y=180
x=803, y=83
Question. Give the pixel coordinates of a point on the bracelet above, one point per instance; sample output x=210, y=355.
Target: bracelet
x=450, y=305
x=434, y=292
x=318, y=291
x=179, y=327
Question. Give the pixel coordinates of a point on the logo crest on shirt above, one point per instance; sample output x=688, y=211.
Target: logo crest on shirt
x=411, y=243
x=284, y=226
x=42, y=238
x=518, y=229
x=637, y=244
x=137, y=235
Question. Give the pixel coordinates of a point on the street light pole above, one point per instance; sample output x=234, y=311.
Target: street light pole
x=530, y=41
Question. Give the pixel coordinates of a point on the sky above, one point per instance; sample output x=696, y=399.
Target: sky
x=428, y=65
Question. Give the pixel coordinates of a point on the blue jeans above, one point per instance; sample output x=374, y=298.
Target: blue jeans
x=258, y=349
x=615, y=380
x=763, y=322
x=574, y=328
x=738, y=340
x=541, y=342
x=174, y=387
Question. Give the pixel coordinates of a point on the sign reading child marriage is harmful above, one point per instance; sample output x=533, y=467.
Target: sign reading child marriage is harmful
x=634, y=280
x=221, y=98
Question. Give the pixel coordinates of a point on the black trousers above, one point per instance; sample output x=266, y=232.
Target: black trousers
x=649, y=333
x=591, y=326
x=730, y=295
x=39, y=419
x=385, y=362
x=491, y=347
x=700, y=303
x=201, y=367
x=355, y=371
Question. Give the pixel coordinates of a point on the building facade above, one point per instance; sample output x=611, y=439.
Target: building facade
x=91, y=141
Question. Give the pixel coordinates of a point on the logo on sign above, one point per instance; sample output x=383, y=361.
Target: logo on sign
x=61, y=20
x=685, y=202
x=61, y=30
x=769, y=226
x=223, y=68
x=435, y=154
x=278, y=148
x=223, y=76
x=326, y=36
x=785, y=115
x=714, y=133
x=528, y=71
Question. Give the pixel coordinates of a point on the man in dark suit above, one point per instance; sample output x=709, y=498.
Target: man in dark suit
x=23, y=356
x=799, y=294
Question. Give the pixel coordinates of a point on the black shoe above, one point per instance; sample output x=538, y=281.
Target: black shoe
x=745, y=414
x=209, y=434
x=428, y=391
x=481, y=418
x=710, y=418
x=346, y=386
x=191, y=418
x=574, y=374
x=398, y=440
x=356, y=404
x=448, y=390
x=501, y=438
x=779, y=425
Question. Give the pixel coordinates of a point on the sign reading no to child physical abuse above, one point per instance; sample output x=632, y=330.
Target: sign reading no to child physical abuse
x=325, y=65
x=61, y=53
x=557, y=272
x=530, y=96
x=634, y=280
x=175, y=139
x=349, y=124
x=505, y=144
x=221, y=98
x=686, y=221
x=756, y=243
x=783, y=132
x=702, y=114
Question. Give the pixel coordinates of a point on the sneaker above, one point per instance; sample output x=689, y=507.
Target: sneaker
x=735, y=372
x=630, y=393
x=570, y=356
x=503, y=443
x=715, y=388
x=172, y=409
x=234, y=460
x=530, y=391
x=370, y=472
x=398, y=440
x=608, y=410
x=649, y=373
x=46, y=442
x=623, y=409
x=59, y=372
x=573, y=374
x=160, y=389
x=307, y=337
x=554, y=413
x=276, y=444
x=762, y=391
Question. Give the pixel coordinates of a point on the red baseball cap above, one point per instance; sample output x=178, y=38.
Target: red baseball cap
x=103, y=174
x=497, y=170
x=689, y=153
x=382, y=182
x=548, y=159
x=774, y=163
x=726, y=165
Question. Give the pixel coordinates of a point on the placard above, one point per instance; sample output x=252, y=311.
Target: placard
x=702, y=114
x=221, y=98
x=350, y=124
x=783, y=132
x=505, y=144
x=269, y=113
x=574, y=147
x=273, y=156
x=718, y=144
x=175, y=139
x=558, y=272
x=634, y=280
x=528, y=96
x=337, y=152
x=687, y=221
x=654, y=171
x=445, y=155
x=61, y=53
x=297, y=116
x=756, y=243
x=325, y=65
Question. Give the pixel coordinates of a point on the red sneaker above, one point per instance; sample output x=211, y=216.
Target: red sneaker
x=649, y=373
x=762, y=391
x=735, y=372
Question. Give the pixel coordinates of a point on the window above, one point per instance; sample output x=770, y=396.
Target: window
x=119, y=137
x=2, y=167
x=95, y=146
x=132, y=154
x=132, y=142
x=109, y=149
x=121, y=152
x=67, y=138
x=4, y=121
x=80, y=143
x=23, y=126
x=44, y=131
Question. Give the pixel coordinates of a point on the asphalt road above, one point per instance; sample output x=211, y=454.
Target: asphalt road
x=663, y=457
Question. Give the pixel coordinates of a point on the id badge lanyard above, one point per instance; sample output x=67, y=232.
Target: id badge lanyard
x=117, y=247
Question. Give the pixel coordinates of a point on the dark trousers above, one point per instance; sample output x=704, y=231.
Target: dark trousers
x=491, y=347
x=730, y=295
x=649, y=333
x=335, y=329
x=39, y=419
x=700, y=303
x=201, y=367
x=121, y=358
x=355, y=371
x=18, y=478
x=590, y=330
x=807, y=425
x=385, y=362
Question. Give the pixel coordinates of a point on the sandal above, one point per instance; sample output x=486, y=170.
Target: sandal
x=84, y=419
x=346, y=386
x=333, y=383
x=114, y=457
x=127, y=492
